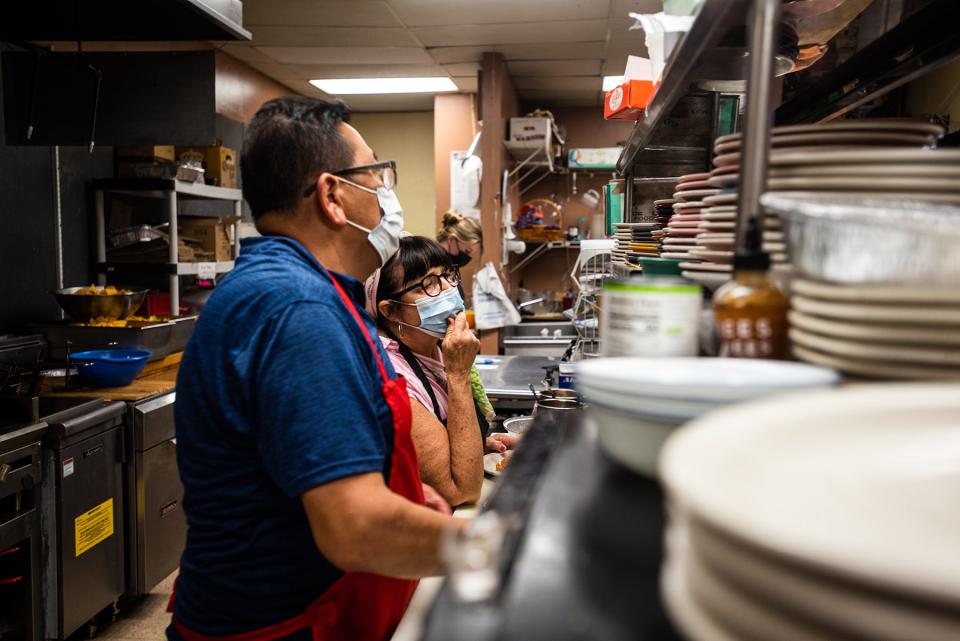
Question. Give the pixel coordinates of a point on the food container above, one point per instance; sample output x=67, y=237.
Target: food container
x=109, y=367
x=656, y=315
x=567, y=374
x=160, y=338
x=518, y=425
x=855, y=240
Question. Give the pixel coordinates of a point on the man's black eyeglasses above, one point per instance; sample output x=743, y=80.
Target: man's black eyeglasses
x=385, y=171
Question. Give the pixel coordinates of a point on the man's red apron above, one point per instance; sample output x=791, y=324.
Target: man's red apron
x=359, y=606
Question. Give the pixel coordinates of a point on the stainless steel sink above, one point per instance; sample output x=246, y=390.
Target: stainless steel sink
x=537, y=339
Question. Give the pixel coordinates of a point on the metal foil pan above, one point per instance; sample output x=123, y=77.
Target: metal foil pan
x=845, y=239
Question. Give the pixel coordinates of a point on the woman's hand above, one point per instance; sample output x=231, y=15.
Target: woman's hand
x=459, y=346
x=501, y=442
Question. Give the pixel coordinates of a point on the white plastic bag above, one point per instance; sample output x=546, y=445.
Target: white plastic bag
x=492, y=307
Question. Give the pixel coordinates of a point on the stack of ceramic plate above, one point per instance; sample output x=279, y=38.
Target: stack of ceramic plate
x=829, y=158
x=637, y=402
x=663, y=210
x=825, y=516
x=877, y=331
x=680, y=233
x=635, y=240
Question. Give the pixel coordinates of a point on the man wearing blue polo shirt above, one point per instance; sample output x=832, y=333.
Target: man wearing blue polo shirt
x=306, y=513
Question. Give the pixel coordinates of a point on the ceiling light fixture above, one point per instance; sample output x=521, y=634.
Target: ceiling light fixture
x=366, y=86
x=609, y=82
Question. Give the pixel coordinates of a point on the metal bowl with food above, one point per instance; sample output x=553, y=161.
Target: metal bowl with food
x=85, y=303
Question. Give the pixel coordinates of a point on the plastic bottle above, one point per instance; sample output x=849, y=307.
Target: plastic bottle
x=751, y=310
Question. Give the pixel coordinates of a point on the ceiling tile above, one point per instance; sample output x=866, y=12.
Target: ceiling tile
x=559, y=93
x=620, y=8
x=417, y=13
x=277, y=71
x=554, y=68
x=312, y=72
x=329, y=13
x=516, y=33
x=246, y=53
x=348, y=55
x=467, y=84
x=266, y=35
x=618, y=50
x=463, y=69
x=578, y=51
x=573, y=83
x=452, y=55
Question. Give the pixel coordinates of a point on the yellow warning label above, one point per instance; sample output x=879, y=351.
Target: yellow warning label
x=94, y=526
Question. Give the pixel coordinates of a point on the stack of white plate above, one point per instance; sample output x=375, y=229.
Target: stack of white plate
x=862, y=157
x=637, y=402
x=877, y=331
x=826, y=516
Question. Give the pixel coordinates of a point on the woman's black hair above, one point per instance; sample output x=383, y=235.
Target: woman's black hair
x=416, y=257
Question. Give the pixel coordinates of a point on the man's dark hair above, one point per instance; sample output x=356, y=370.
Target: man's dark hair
x=289, y=142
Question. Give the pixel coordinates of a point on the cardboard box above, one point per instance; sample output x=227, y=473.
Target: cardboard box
x=214, y=234
x=530, y=130
x=629, y=100
x=594, y=157
x=146, y=153
x=219, y=162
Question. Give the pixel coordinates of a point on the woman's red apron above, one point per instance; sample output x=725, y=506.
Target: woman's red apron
x=359, y=606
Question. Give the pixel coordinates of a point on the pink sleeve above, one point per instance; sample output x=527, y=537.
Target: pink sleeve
x=415, y=389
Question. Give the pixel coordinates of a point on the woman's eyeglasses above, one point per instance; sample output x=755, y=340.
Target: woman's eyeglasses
x=431, y=283
x=385, y=171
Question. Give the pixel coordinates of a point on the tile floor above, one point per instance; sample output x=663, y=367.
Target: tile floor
x=144, y=620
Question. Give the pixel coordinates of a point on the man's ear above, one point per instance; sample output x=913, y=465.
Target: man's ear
x=329, y=196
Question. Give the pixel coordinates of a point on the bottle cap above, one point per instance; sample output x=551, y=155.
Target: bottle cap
x=661, y=266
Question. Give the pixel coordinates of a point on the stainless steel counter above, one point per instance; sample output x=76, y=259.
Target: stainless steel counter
x=508, y=378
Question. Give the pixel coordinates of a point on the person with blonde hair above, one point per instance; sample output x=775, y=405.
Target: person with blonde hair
x=461, y=236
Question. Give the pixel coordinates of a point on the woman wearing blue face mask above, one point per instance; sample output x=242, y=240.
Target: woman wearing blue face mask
x=419, y=313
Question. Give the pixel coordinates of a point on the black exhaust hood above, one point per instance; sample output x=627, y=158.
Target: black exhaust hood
x=122, y=20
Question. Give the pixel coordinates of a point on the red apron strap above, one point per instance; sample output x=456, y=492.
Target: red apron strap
x=363, y=328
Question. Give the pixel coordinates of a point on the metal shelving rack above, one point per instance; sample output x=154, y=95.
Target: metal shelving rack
x=540, y=248
x=920, y=43
x=170, y=191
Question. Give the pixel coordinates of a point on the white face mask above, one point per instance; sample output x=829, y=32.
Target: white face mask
x=385, y=237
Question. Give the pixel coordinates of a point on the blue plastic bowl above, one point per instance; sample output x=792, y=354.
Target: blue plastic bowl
x=109, y=367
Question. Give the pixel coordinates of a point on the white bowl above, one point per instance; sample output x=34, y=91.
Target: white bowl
x=630, y=440
x=716, y=380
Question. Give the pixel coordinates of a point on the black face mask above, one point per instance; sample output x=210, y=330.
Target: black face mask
x=460, y=259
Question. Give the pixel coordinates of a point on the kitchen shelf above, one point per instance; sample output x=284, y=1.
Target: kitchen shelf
x=923, y=41
x=180, y=269
x=541, y=247
x=691, y=60
x=171, y=191
x=160, y=187
x=534, y=163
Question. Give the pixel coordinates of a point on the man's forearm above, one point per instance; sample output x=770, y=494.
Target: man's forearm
x=360, y=525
